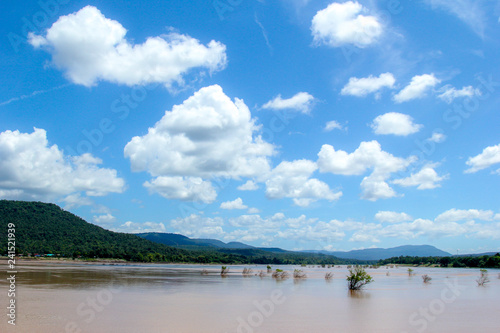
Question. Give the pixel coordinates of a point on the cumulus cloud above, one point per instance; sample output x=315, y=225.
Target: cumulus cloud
x=344, y=23
x=364, y=86
x=449, y=93
x=235, y=204
x=76, y=200
x=250, y=185
x=437, y=137
x=302, y=102
x=136, y=227
x=331, y=125
x=183, y=188
x=104, y=219
x=417, y=88
x=30, y=169
x=207, y=136
x=199, y=226
x=369, y=155
x=455, y=215
x=395, y=123
x=89, y=47
x=392, y=217
x=427, y=178
x=490, y=156
x=292, y=180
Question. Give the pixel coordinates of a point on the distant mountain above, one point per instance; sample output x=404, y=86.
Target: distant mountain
x=43, y=228
x=378, y=253
x=184, y=242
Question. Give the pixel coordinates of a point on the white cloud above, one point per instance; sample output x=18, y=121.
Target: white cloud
x=469, y=11
x=103, y=219
x=437, y=137
x=417, y=88
x=235, y=204
x=331, y=125
x=302, y=102
x=250, y=185
x=292, y=180
x=375, y=187
x=321, y=232
x=76, y=200
x=135, y=227
x=369, y=155
x=392, y=217
x=427, y=178
x=455, y=215
x=449, y=93
x=364, y=86
x=395, y=123
x=489, y=157
x=90, y=47
x=344, y=23
x=183, y=188
x=253, y=210
x=207, y=136
x=31, y=170
x=198, y=226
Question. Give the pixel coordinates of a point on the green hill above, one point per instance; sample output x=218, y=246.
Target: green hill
x=47, y=229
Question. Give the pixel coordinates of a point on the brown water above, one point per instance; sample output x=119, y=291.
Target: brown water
x=55, y=297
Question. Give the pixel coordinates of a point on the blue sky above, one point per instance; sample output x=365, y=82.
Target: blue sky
x=300, y=124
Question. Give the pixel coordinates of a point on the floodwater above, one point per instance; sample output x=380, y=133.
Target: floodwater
x=77, y=297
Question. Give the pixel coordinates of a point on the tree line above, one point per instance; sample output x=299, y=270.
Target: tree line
x=482, y=261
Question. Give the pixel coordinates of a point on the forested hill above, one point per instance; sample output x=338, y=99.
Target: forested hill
x=47, y=229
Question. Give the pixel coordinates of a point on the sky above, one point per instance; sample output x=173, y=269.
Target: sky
x=300, y=124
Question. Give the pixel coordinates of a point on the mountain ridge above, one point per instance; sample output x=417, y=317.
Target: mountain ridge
x=365, y=254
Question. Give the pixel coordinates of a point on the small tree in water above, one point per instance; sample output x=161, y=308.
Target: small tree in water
x=357, y=278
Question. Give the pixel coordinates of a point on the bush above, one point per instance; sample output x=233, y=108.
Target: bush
x=224, y=271
x=329, y=276
x=279, y=274
x=358, y=278
x=299, y=274
x=426, y=278
x=483, y=278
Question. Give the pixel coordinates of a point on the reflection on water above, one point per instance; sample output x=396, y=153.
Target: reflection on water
x=76, y=297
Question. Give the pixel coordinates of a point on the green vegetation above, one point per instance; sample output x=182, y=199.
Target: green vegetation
x=483, y=278
x=299, y=274
x=224, y=271
x=484, y=261
x=44, y=229
x=358, y=278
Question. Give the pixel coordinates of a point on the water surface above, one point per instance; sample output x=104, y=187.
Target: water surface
x=76, y=297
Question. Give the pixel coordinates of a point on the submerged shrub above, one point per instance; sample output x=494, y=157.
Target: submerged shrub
x=224, y=271
x=279, y=274
x=299, y=274
x=426, y=278
x=358, y=278
x=329, y=276
x=483, y=278
x=247, y=271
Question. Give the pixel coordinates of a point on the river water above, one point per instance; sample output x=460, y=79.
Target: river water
x=77, y=297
